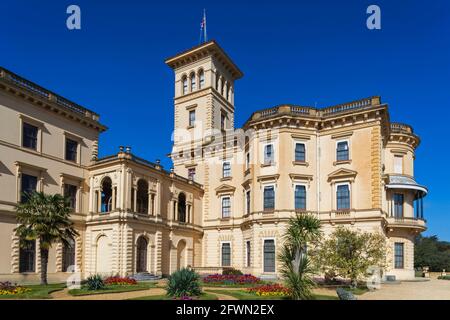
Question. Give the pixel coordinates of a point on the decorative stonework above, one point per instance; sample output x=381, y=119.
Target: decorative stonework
x=375, y=166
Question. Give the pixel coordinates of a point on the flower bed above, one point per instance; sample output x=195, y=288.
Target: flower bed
x=7, y=288
x=231, y=279
x=120, y=281
x=275, y=289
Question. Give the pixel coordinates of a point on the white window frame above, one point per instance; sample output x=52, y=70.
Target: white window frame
x=223, y=169
x=306, y=190
x=193, y=76
x=303, y=143
x=335, y=194
x=275, y=195
x=262, y=254
x=273, y=153
x=231, y=253
x=191, y=124
x=199, y=74
x=221, y=206
x=35, y=123
x=348, y=146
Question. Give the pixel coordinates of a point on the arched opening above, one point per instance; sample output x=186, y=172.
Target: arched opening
x=27, y=256
x=193, y=82
x=142, y=197
x=68, y=255
x=181, y=255
x=106, y=201
x=103, y=255
x=184, y=85
x=182, y=207
x=201, y=79
x=141, y=255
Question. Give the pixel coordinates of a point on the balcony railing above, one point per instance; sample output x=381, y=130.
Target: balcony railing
x=361, y=104
x=9, y=77
x=401, y=128
x=406, y=222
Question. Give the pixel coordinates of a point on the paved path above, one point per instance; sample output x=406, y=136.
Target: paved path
x=429, y=290
x=64, y=295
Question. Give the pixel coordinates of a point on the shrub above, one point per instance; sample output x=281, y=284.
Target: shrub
x=120, y=281
x=7, y=288
x=274, y=289
x=232, y=271
x=231, y=279
x=344, y=294
x=95, y=282
x=447, y=277
x=182, y=283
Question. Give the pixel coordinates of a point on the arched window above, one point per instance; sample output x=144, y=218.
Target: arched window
x=142, y=196
x=106, y=202
x=217, y=81
x=193, y=82
x=201, y=79
x=184, y=85
x=222, y=85
x=182, y=207
x=227, y=92
x=27, y=256
x=141, y=255
x=68, y=255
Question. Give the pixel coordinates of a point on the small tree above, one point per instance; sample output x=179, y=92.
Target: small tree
x=349, y=253
x=297, y=270
x=45, y=218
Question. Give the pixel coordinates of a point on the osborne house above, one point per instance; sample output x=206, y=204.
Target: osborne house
x=228, y=197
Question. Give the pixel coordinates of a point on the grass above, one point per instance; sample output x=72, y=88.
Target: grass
x=37, y=292
x=357, y=290
x=244, y=295
x=113, y=289
x=204, y=296
x=447, y=277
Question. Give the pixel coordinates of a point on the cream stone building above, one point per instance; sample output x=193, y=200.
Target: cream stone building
x=231, y=191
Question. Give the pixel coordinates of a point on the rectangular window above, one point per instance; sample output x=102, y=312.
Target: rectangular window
x=269, y=198
x=247, y=160
x=191, y=118
x=343, y=197
x=269, y=255
x=300, y=197
x=399, y=255
x=342, y=151
x=398, y=164
x=226, y=207
x=247, y=199
x=398, y=205
x=191, y=173
x=29, y=136
x=27, y=256
x=222, y=121
x=226, y=254
x=248, y=253
x=268, y=154
x=29, y=184
x=226, y=170
x=300, y=152
x=70, y=191
x=71, y=150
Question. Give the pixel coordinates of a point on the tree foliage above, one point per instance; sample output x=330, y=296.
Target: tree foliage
x=297, y=270
x=348, y=254
x=45, y=218
x=432, y=253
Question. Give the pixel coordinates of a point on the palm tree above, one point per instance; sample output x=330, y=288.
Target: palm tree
x=297, y=269
x=47, y=218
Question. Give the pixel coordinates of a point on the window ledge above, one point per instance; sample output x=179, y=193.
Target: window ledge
x=268, y=211
x=226, y=179
x=300, y=163
x=336, y=163
x=190, y=127
x=267, y=164
x=246, y=172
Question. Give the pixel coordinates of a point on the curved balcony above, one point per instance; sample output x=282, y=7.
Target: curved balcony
x=418, y=224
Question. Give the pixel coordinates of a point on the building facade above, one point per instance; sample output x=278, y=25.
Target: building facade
x=231, y=190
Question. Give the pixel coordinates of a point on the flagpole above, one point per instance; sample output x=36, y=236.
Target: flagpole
x=204, y=18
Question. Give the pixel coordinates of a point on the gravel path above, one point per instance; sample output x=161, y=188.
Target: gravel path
x=429, y=290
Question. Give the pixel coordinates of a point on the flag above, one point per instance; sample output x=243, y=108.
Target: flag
x=203, y=28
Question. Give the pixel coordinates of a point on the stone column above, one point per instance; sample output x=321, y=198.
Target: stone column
x=135, y=199
x=150, y=209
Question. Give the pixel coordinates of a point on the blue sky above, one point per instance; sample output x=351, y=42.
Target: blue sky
x=300, y=52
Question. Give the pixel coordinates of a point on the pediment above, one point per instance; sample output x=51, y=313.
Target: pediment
x=341, y=174
x=225, y=188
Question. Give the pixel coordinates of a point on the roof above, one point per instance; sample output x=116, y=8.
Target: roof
x=200, y=51
x=404, y=182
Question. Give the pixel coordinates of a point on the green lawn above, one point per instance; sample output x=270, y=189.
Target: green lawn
x=244, y=295
x=113, y=289
x=357, y=290
x=37, y=292
x=204, y=296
